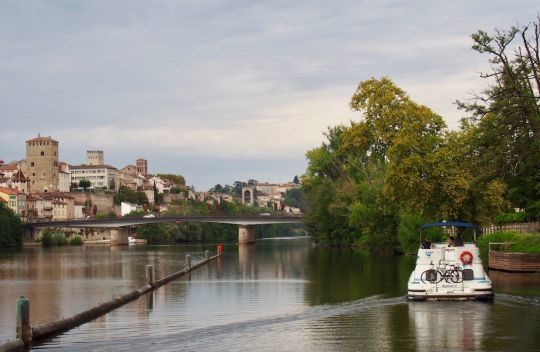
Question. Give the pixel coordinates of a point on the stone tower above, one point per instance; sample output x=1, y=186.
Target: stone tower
x=94, y=157
x=142, y=167
x=42, y=164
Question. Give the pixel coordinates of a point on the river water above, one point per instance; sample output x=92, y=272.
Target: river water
x=276, y=295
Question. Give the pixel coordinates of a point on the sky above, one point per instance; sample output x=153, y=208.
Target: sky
x=227, y=90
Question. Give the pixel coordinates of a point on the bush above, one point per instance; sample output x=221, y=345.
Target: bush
x=47, y=239
x=59, y=239
x=76, y=241
x=106, y=216
x=507, y=218
x=50, y=239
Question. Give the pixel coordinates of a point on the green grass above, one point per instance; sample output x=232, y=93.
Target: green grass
x=519, y=242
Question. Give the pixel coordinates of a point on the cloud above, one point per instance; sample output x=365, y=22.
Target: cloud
x=235, y=80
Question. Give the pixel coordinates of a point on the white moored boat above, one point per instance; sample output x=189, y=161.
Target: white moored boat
x=446, y=272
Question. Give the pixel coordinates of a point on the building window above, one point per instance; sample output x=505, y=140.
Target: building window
x=33, y=174
x=32, y=164
x=42, y=153
x=55, y=163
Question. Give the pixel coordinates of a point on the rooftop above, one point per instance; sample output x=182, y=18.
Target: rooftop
x=8, y=167
x=88, y=167
x=11, y=191
x=42, y=139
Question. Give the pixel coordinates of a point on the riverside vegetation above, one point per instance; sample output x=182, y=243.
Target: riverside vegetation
x=373, y=182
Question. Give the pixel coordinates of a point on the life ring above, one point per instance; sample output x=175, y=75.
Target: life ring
x=466, y=257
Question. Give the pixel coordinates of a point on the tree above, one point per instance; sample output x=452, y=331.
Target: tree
x=217, y=189
x=156, y=194
x=294, y=198
x=11, y=230
x=237, y=188
x=126, y=194
x=176, y=179
x=505, y=121
x=398, y=160
x=84, y=184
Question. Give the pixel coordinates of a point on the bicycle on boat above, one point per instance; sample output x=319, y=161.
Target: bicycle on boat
x=447, y=272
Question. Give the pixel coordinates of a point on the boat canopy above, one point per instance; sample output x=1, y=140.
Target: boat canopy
x=448, y=223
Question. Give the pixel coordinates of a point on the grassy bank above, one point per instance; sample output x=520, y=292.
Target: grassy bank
x=519, y=242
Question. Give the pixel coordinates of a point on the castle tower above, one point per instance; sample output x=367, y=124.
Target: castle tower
x=42, y=164
x=94, y=157
x=142, y=167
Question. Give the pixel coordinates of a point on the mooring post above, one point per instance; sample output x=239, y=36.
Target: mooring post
x=207, y=254
x=150, y=275
x=24, y=330
x=188, y=261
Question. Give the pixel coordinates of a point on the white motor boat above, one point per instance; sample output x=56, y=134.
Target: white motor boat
x=446, y=272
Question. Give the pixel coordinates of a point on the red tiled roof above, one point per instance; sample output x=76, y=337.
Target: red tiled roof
x=9, y=191
x=8, y=167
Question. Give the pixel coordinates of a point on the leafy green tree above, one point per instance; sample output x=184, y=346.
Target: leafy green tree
x=217, y=188
x=398, y=159
x=11, y=230
x=176, y=179
x=505, y=121
x=294, y=198
x=237, y=188
x=126, y=194
x=84, y=184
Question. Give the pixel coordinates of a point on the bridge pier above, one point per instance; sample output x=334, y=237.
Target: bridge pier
x=246, y=234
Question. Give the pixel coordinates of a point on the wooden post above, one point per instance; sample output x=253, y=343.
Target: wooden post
x=150, y=275
x=24, y=330
x=188, y=261
x=207, y=254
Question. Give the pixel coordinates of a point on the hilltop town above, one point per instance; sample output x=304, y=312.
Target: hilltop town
x=42, y=187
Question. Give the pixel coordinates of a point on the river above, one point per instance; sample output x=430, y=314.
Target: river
x=276, y=295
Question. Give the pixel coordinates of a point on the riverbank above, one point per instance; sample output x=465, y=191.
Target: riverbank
x=514, y=242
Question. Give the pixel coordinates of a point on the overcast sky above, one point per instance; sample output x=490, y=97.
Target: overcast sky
x=220, y=91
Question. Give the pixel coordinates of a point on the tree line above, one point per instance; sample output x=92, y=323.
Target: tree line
x=400, y=165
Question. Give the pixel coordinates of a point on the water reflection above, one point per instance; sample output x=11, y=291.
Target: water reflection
x=275, y=295
x=449, y=325
x=526, y=284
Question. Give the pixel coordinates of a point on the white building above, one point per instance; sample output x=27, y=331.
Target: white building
x=163, y=186
x=64, y=177
x=100, y=176
x=126, y=208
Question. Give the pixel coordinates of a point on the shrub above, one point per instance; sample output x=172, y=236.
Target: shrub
x=507, y=218
x=76, y=241
x=59, y=239
x=47, y=239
